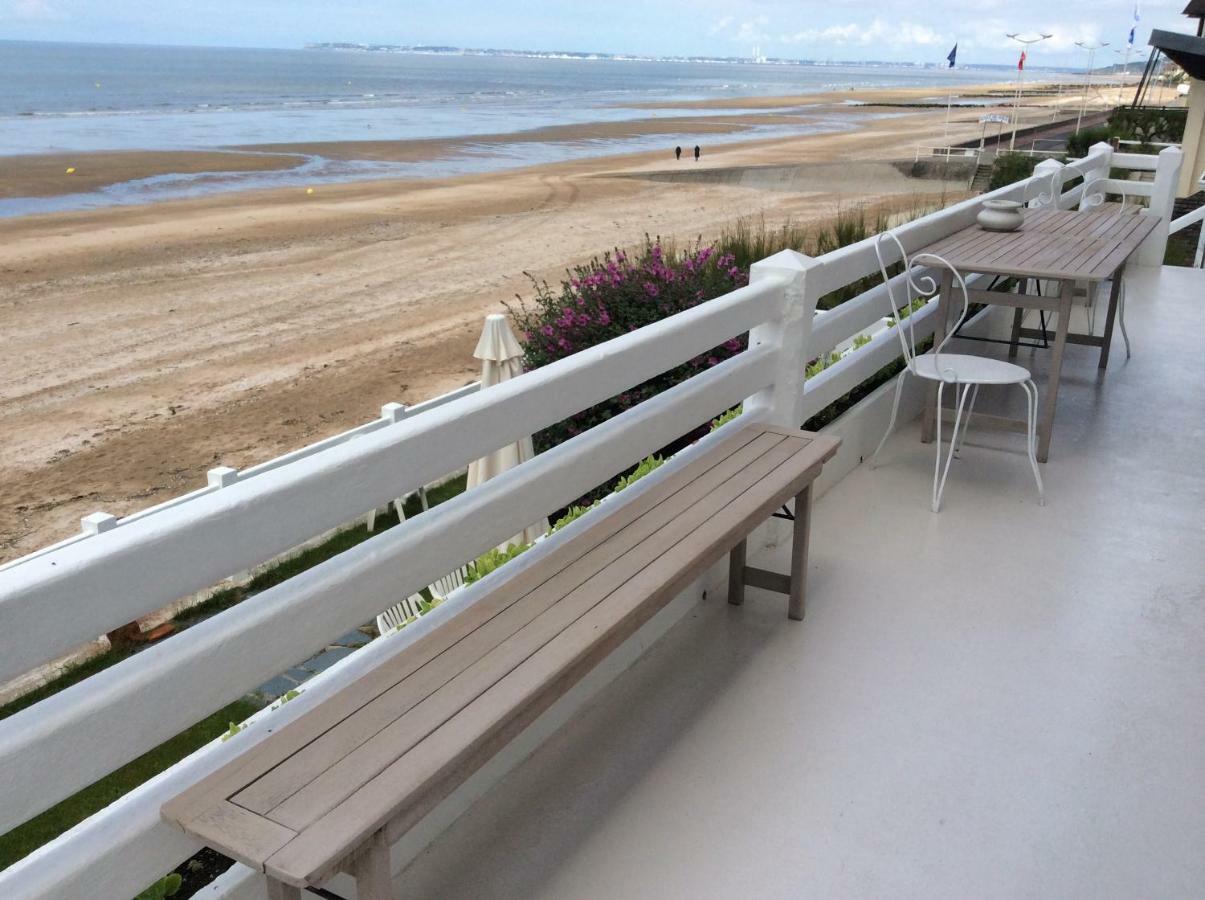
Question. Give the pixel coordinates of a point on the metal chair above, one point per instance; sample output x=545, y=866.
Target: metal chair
x=415, y=605
x=966, y=373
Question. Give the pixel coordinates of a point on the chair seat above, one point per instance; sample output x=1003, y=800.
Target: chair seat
x=970, y=369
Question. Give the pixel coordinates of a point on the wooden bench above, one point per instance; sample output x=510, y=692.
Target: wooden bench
x=335, y=788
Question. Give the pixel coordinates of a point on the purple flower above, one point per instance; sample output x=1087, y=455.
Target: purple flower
x=651, y=289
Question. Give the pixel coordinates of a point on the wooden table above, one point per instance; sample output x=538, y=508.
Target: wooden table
x=334, y=788
x=1052, y=245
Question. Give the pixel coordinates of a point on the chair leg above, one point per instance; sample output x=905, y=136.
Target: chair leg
x=967, y=422
x=1121, y=317
x=1018, y=316
x=1031, y=400
x=939, y=474
x=895, y=408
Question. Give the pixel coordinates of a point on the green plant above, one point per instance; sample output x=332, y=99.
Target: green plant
x=727, y=417
x=648, y=464
x=164, y=887
x=484, y=564
x=235, y=728
x=574, y=513
x=861, y=340
x=1079, y=143
x=1010, y=167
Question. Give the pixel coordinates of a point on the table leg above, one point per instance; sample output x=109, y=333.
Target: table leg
x=1046, y=424
x=939, y=333
x=1018, y=315
x=1114, y=294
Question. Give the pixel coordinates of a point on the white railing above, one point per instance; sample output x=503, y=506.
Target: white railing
x=58, y=599
x=923, y=152
x=224, y=476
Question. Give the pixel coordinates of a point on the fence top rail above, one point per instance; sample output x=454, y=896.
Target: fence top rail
x=66, y=597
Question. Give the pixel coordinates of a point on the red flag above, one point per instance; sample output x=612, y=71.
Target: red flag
x=1021, y=61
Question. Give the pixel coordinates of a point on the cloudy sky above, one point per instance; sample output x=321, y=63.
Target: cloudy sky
x=838, y=29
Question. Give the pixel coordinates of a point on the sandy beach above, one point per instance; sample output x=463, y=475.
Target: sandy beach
x=147, y=344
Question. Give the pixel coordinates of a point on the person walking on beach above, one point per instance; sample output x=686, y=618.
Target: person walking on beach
x=677, y=153
x=697, y=151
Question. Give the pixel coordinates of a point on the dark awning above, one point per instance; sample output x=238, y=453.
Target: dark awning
x=1186, y=50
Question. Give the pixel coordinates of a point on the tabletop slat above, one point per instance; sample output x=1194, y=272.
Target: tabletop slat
x=1054, y=244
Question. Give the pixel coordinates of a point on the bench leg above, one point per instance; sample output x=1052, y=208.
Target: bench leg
x=799, y=553
x=374, y=881
x=736, y=575
x=278, y=890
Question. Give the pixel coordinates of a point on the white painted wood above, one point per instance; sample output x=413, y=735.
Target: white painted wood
x=1139, y=162
x=786, y=336
x=61, y=600
x=1163, y=198
x=67, y=741
x=854, y=368
x=1130, y=188
x=1187, y=220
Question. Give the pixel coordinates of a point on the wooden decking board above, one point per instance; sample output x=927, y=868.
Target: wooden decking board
x=346, y=775
x=276, y=786
x=491, y=718
x=230, y=778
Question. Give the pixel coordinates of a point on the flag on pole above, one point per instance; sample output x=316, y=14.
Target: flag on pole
x=953, y=55
x=1021, y=62
x=1130, y=42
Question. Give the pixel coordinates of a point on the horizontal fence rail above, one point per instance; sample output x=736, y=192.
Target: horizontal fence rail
x=59, y=601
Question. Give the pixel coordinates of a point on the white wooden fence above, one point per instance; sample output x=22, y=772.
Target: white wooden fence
x=66, y=595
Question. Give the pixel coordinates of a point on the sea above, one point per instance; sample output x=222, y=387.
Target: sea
x=76, y=98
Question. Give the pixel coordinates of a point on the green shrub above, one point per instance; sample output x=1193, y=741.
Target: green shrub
x=1010, y=167
x=611, y=296
x=164, y=887
x=486, y=563
x=727, y=417
x=1078, y=143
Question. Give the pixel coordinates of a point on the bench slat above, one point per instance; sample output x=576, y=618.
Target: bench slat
x=228, y=780
x=387, y=749
x=394, y=711
x=431, y=770
x=588, y=583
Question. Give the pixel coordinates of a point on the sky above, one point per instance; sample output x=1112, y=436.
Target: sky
x=891, y=30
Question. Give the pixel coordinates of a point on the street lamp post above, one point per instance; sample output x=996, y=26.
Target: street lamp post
x=1091, y=48
x=1024, y=42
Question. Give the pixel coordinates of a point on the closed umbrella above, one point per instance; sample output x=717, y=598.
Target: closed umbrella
x=501, y=359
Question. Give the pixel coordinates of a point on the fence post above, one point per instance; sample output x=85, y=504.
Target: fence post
x=97, y=522
x=1048, y=170
x=1102, y=156
x=222, y=476
x=1163, y=199
x=394, y=412
x=789, y=334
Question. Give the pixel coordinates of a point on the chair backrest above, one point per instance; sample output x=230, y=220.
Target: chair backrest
x=916, y=281
x=441, y=587
x=400, y=613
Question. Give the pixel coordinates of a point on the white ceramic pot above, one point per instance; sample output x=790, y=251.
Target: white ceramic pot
x=1000, y=215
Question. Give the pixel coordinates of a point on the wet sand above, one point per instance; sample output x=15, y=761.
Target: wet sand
x=145, y=345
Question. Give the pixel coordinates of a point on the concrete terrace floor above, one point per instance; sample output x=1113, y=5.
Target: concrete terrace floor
x=999, y=701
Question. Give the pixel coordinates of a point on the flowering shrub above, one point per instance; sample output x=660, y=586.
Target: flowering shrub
x=611, y=296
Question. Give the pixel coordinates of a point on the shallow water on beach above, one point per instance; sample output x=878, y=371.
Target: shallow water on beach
x=65, y=98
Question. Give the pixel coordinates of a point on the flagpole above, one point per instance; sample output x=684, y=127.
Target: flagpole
x=1024, y=42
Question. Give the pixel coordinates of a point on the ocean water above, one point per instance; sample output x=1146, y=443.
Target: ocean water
x=57, y=98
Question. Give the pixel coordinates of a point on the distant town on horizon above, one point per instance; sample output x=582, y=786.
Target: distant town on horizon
x=441, y=50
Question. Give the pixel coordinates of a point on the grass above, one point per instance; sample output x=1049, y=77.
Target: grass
x=37, y=831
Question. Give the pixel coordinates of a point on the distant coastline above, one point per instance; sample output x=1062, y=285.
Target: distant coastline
x=441, y=50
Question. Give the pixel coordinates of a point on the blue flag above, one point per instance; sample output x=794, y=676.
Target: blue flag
x=1136, y=20
x=953, y=55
